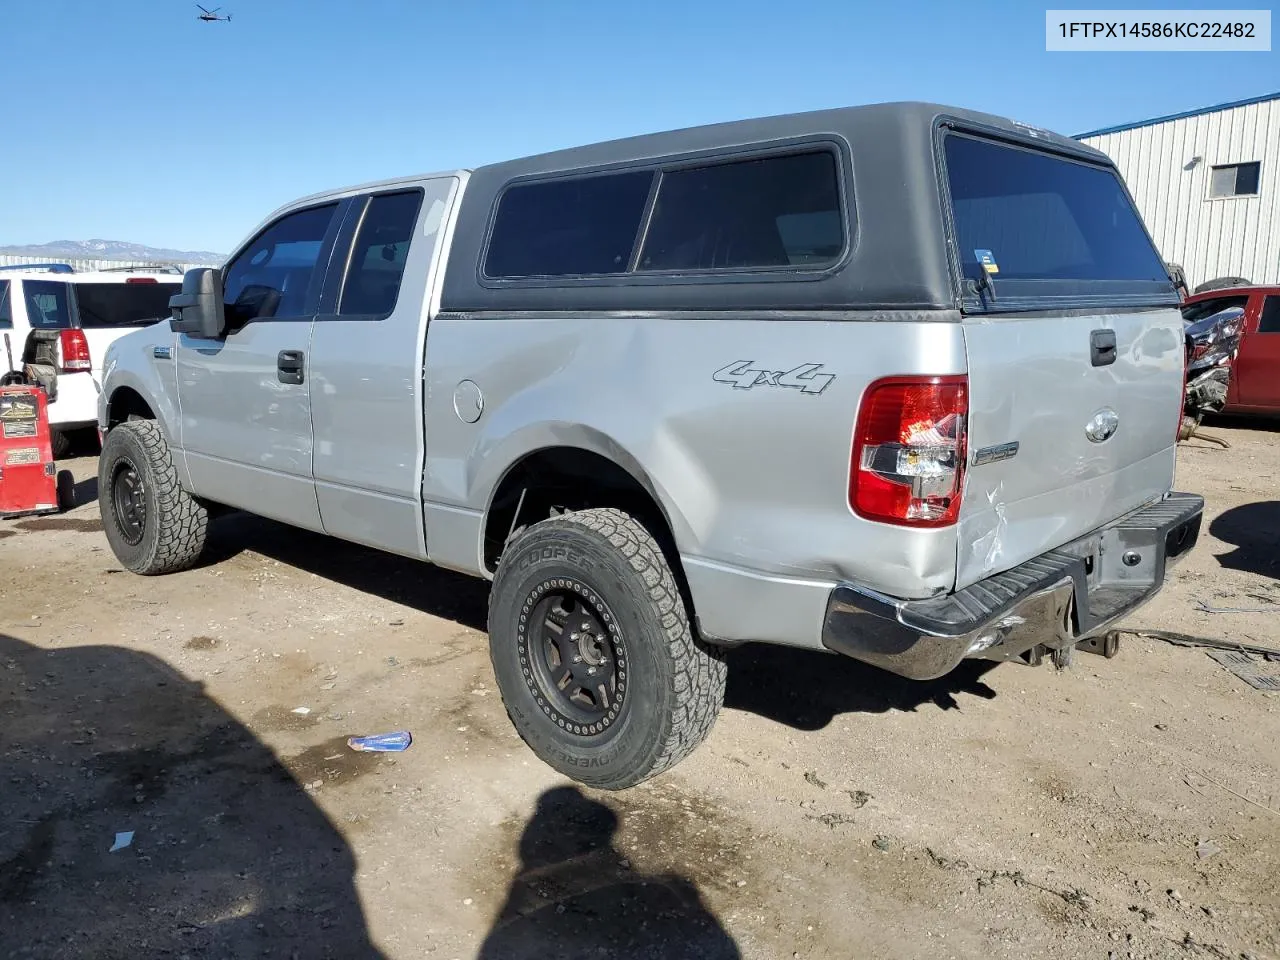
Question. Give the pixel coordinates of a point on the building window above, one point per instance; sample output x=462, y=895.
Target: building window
x=1235, y=180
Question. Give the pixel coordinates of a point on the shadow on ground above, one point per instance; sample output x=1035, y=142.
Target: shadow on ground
x=413, y=583
x=86, y=491
x=229, y=857
x=800, y=688
x=1237, y=422
x=575, y=896
x=807, y=689
x=1254, y=530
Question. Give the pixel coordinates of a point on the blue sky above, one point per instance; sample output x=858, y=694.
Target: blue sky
x=138, y=122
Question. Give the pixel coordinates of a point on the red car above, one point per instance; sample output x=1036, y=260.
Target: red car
x=1255, y=374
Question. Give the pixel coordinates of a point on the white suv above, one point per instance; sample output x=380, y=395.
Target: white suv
x=64, y=321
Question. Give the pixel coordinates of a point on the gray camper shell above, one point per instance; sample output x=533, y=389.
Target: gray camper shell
x=899, y=251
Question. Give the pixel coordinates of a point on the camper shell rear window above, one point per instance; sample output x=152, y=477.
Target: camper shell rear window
x=1040, y=224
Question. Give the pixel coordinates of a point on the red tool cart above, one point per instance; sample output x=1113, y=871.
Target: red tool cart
x=29, y=481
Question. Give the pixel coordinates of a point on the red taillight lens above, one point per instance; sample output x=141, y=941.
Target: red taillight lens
x=141, y=280
x=1182, y=396
x=909, y=451
x=75, y=351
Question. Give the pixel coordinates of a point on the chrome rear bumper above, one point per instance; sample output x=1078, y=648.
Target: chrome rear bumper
x=1057, y=600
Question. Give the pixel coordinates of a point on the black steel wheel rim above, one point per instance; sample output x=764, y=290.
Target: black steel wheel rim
x=575, y=664
x=129, y=501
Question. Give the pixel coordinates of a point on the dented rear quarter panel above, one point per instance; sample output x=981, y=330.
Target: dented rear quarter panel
x=752, y=478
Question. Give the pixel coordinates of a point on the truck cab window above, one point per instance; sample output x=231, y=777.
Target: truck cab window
x=6, y=314
x=377, y=261
x=272, y=276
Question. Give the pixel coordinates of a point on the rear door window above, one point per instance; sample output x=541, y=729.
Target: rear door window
x=108, y=305
x=372, y=284
x=1062, y=224
x=769, y=212
x=6, y=314
x=46, y=302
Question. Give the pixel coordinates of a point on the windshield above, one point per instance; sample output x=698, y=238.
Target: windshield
x=1033, y=216
x=123, y=304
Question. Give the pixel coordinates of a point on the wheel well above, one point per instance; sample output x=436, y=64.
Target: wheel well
x=127, y=404
x=562, y=479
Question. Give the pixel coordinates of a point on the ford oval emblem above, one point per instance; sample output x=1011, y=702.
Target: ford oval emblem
x=1103, y=425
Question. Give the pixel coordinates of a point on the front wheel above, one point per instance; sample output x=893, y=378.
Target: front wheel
x=152, y=524
x=594, y=654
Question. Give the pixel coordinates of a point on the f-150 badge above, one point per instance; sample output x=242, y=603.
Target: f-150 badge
x=744, y=374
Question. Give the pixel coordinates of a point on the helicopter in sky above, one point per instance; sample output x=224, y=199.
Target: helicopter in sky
x=211, y=16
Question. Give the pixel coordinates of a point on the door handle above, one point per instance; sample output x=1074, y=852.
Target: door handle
x=1102, y=348
x=289, y=366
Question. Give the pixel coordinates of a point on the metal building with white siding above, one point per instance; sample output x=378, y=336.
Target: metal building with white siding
x=1208, y=185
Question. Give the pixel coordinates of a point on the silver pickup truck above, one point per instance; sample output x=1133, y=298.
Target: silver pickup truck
x=900, y=381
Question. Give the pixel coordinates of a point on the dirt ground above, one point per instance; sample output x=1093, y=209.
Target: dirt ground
x=1121, y=808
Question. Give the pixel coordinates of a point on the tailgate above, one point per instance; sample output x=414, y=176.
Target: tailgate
x=1032, y=382
x=1074, y=345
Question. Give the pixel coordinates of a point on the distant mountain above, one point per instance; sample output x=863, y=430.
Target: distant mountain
x=111, y=250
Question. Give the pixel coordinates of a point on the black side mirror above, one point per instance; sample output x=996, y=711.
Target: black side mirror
x=198, y=311
x=255, y=300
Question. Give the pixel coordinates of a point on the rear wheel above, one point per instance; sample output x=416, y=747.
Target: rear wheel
x=593, y=650
x=152, y=524
x=60, y=441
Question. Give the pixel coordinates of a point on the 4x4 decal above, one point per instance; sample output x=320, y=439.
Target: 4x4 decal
x=744, y=374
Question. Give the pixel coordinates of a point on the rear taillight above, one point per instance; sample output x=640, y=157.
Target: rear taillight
x=1182, y=396
x=75, y=351
x=909, y=451
x=142, y=280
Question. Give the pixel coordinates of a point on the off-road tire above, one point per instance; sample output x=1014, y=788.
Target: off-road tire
x=175, y=524
x=674, y=683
